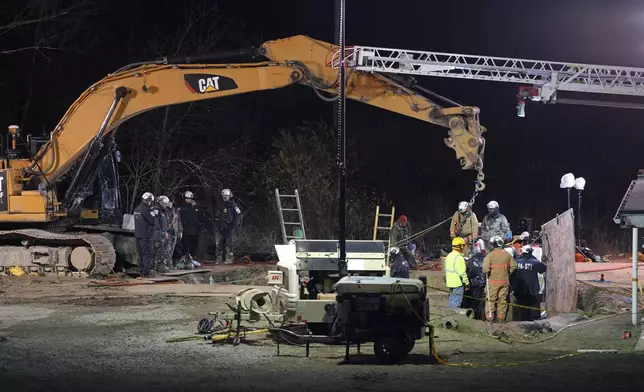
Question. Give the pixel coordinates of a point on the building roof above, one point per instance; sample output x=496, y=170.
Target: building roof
x=631, y=210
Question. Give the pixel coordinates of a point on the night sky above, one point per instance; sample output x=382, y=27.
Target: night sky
x=407, y=159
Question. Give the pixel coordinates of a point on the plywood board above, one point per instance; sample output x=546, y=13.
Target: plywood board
x=558, y=237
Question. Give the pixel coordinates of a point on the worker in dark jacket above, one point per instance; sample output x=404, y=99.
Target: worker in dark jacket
x=192, y=222
x=144, y=222
x=525, y=284
x=227, y=219
x=399, y=265
x=475, y=297
x=160, y=235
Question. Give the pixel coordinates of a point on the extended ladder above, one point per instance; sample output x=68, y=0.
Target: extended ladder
x=284, y=222
x=387, y=229
x=546, y=77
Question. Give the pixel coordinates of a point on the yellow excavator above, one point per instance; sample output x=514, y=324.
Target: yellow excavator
x=60, y=194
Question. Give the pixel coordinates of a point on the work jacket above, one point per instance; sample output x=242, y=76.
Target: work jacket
x=464, y=225
x=399, y=236
x=399, y=267
x=526, y=281
x=191, y=219
x=475, y=270
x=455, y=270
x=144, y=221
x=498, y=265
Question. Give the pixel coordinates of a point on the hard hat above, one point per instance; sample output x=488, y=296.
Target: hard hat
x=526, y=249
x=402, y=219
x=163, y=200
x=524, y=235
x=496, y=241
x=227, y=194
x=478, y=247
x=492, y=205
x=394, y=251
x=458, y=241
x=462, y=206
x=147, y=196
x=188, y=195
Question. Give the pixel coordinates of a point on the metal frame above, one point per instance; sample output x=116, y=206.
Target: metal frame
x=548, y=76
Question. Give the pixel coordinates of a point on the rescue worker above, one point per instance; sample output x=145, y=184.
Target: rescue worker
x=174, y=230
x=495, y=224
x=144, y=222
x=192, y=222
x=227, y=219
x=498, y=266
x=399, y=265
x=475, y=297
x=456, y=273
x=525, y=285
x=399, y=237
x=159, y=236
x=465, y=225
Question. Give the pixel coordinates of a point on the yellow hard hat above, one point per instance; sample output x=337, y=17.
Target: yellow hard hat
x=458, y=241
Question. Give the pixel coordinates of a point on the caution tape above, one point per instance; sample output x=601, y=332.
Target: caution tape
x=498, y=365
x=485, y=299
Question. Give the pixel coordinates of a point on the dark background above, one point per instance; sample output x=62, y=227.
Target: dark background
x=45, y=66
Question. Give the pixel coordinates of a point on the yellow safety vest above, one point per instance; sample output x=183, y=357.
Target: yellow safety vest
x=455, y=270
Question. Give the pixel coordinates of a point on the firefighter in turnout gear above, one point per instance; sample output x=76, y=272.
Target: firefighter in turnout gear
x=498, y=266
x=174, y=230
x=144, y=223
x=476, y=296
x=399, y=237
x=495, y=224
x=160, y=235
x=465, y=225
x=525, y=285
x=192, y=222
x=399, y=265
x=456, y=278
x=227, y=220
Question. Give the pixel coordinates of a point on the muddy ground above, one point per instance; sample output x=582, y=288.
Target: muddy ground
x=58, y=334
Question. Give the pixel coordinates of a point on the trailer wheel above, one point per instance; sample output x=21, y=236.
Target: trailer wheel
x=393, y=347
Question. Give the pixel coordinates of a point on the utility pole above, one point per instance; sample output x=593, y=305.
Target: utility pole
x=340, y=110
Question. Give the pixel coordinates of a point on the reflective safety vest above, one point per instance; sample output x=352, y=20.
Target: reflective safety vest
x=455, y=270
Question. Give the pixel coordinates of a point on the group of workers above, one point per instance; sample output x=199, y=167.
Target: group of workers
x=159, y=227
x=479, y=270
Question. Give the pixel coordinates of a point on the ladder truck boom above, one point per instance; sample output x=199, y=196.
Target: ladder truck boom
x=540, y=79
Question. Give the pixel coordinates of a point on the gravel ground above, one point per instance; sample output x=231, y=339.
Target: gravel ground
x=54, y=347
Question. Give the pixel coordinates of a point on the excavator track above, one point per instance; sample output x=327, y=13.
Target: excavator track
x=101, y=251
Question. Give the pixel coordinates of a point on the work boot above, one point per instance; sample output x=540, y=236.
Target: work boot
x=162, y=269
x=229, y=258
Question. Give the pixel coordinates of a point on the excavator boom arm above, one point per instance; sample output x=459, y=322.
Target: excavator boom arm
x=300, y=59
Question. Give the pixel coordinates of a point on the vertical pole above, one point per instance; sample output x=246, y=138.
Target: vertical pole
x=634, y=303
x=341, y=142
x=568, y=190
x=579, y=218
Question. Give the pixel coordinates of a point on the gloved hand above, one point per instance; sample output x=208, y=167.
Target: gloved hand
x=508, y=236
x=412, y=247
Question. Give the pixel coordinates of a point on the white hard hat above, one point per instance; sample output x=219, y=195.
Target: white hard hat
x=496, y=241
x=462, y=206
x=478, y=246
x=526, y=249
x=394, y=250
x=163, y=200
x=188, y=195
x=492, y=205
x=524, y=235
x=147, y=196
